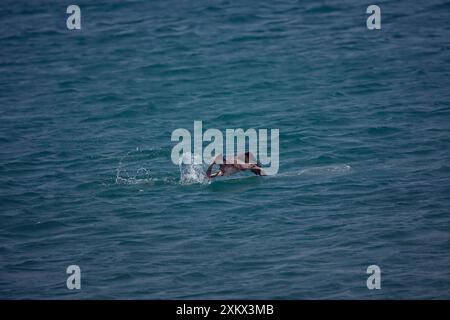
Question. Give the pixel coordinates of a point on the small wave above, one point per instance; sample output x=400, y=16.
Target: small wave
x=326, y=170
x=133, y=180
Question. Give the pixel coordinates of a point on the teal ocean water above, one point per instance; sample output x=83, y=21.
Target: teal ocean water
x=86, y=176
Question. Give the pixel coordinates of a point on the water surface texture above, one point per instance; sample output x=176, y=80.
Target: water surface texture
x=86, y=176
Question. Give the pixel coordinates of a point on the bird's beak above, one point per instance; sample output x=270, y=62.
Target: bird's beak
x=218, y=173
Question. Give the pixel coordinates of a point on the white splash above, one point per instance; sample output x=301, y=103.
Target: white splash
x=142, y=176
x=192, y=173
x=131, y=172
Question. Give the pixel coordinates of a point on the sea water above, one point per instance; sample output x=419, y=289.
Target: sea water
x=87, y=179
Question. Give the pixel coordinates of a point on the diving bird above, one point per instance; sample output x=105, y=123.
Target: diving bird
x=242, y=162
